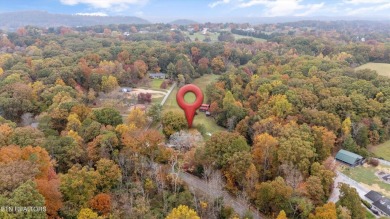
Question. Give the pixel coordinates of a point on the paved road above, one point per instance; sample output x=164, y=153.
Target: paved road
x=334, y=197
x=384, y=162
x=240, y=206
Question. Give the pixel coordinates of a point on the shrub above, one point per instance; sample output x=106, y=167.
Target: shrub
x=164, y=85
x=373, y=162
x=368, y=205
x=144, y=97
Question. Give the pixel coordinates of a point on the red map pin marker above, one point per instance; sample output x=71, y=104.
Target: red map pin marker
x=189, y=108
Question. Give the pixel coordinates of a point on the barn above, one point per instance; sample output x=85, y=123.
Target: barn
x=349, y=158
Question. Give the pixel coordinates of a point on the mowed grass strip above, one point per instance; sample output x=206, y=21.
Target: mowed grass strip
x=380, y=68
x=156, y=83
x=213, y=36
x=369, y=215
x=201, y=118
x=236, y=36
x=382, y=150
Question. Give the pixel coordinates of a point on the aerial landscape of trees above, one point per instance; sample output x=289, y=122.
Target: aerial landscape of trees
x=286, y=106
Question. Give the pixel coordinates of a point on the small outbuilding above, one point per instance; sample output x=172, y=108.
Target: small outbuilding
x=157, y=75
x=349, y=158
x=204, y=107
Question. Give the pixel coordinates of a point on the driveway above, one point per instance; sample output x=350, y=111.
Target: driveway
x=341, y=178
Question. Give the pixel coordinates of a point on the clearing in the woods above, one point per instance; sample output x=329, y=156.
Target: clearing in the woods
x=380, y=68
x=200, y=118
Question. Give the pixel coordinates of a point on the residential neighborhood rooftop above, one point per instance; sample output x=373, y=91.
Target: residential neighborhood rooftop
x=383, y=204
x=373, y=196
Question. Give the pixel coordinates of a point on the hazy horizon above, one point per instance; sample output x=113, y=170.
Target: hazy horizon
x=211, y=10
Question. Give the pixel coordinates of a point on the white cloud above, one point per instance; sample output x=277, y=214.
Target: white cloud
x=356, y=2
x=221, y=2
x=282, y=8
x=102, y=14
x=366, y=7
x=275, y=8
x=311, y=9
x=253, y=3
x=104, y=3
x=368, y=10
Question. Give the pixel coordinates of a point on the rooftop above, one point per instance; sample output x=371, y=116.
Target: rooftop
x=383, y=204
x=373, y=196
x=348, y=157
x=157, y=74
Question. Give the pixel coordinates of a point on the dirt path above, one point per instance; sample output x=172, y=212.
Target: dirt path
x=155, y=94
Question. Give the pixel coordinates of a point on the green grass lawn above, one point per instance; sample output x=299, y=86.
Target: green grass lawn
x=155, y=84
x=201, y=37
x=201, y=118
x=369, y=215
x=366, y=175
x=381, y=68
x=214, y=37
x=236, y=36
x=382, y=150
x=157, y=100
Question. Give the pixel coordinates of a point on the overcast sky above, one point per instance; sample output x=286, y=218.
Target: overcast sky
x=203, y=10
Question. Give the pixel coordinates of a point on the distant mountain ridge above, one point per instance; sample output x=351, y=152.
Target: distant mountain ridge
x=184, y=22
x=13, y=20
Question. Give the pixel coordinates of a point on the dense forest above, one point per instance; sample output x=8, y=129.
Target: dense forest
x=287, y=104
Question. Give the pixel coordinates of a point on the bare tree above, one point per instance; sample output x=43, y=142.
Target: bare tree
x=184, y=140
x=292, y=175
x=27, y=119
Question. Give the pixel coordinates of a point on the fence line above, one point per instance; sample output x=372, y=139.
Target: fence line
x=167, y=95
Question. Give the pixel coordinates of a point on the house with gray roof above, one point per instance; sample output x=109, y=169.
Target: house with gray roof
x=382, y=206
x=157, y=75
x=373, y=196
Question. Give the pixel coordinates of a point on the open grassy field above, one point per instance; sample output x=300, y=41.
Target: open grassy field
x=201, y=118
x=201, y=37
x=381, y=68
x=366, y=176
x=155, y=83
x=236, y=36
x=382, y=150
x=214, y=37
